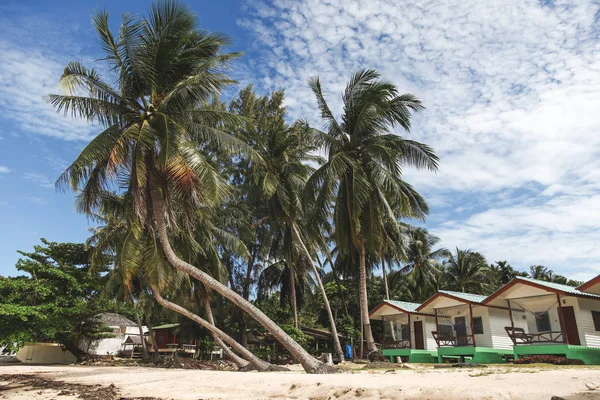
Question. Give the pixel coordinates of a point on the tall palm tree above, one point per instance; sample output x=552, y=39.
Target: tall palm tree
x=361, y=177
x=424, y=264
x=157, y=120
x=465, y=272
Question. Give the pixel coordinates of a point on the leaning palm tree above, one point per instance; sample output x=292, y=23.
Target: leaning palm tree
x=466, y=271
x=157, y=119
x=139, y=262
x=362, y=176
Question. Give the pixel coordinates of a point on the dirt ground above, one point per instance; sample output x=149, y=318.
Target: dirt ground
x=24, y=382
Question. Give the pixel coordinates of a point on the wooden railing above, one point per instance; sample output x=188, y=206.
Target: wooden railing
x=518, y=336
x=453, y=341
x=389, y=343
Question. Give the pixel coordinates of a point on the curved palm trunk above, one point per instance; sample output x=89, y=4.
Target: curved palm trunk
x=255, y=361
x=336, y=339
x=364, y=303
x=239, y=361
x=309, y=363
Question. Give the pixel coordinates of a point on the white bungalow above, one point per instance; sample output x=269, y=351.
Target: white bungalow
x=468, y=329
x=555, y=319
x=125, y=336
x=407, y=333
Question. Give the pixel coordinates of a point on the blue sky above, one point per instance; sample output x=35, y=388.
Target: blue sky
x=512, y=91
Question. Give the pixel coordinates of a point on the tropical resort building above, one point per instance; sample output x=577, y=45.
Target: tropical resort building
x=407, y=333
x=551, y=319
x=468, y=329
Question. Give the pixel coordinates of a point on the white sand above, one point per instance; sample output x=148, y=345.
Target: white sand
x=485, y=383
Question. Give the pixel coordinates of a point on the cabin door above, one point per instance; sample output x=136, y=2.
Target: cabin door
x=460, y=326
x=419, y=342
x=570, y=327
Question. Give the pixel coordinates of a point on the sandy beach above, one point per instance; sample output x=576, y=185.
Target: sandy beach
x=67, y=382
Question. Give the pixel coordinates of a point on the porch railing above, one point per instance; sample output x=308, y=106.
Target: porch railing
x=519, y=336
x=389, y=343
x=453, y=341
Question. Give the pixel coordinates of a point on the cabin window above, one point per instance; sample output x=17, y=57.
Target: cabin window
x=542, y=322
x=596, y=318
x=446, y=331
x=477, y=325
x=404, y=332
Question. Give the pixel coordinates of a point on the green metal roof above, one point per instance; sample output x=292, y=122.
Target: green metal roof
x=558, y=286
x=405, y=305
x=470, y=297
x=165, y=326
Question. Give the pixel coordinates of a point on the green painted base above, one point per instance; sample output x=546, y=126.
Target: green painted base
x=589, y=355
x=483, y=355
x=413, y=355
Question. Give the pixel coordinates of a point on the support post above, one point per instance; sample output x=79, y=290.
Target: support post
x=409, y=333
x=562, y=320
x=472, y=331
x=437, y=326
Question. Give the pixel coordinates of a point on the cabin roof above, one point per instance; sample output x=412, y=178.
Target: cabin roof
x=114, y=319
x=551, y=287
x=589, y=286
x=398, y=307
x=452, y=299
x=470, y=297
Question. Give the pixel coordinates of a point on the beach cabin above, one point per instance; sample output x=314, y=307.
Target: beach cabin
x=407, y=333
x=123, y=332
x=592, y=286
x=467, y=329
x=555, y=319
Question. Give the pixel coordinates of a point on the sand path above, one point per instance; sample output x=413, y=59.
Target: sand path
x=464, y=384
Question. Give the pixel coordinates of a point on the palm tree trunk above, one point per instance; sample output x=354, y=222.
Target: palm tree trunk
x=153, y=336
x=387, y=295
x=336, y=340
x=255, y=361
x=293, y=302
x=364, y=303
x=309, y=363
x=140, y=329
x=239, y=361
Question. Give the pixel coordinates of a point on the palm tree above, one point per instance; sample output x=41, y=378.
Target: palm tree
x=538, y=272
x=424, y=264
x=465, y=272
x=157, y=119
x=504, y=271
x=361, y=177
x=140, y=263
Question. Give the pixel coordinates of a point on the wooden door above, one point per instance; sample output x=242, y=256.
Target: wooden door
x=419, y=340
x=460, y=326
x=570, y=325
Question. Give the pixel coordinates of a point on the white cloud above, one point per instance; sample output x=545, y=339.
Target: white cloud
x=30, y=68
x=36, y=200
x=4, y=169
x=39, y=179
x=512, y=90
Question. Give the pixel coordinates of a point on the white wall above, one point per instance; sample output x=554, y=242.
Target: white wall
x=587, y=333
x=498, y=320
x=428, y=327
x=110, y=346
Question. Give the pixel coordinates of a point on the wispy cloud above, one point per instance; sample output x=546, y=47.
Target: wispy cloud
x=36, y=200
x=4, y=169
x=512, y=90
x=39, y=179
x=30, y=68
